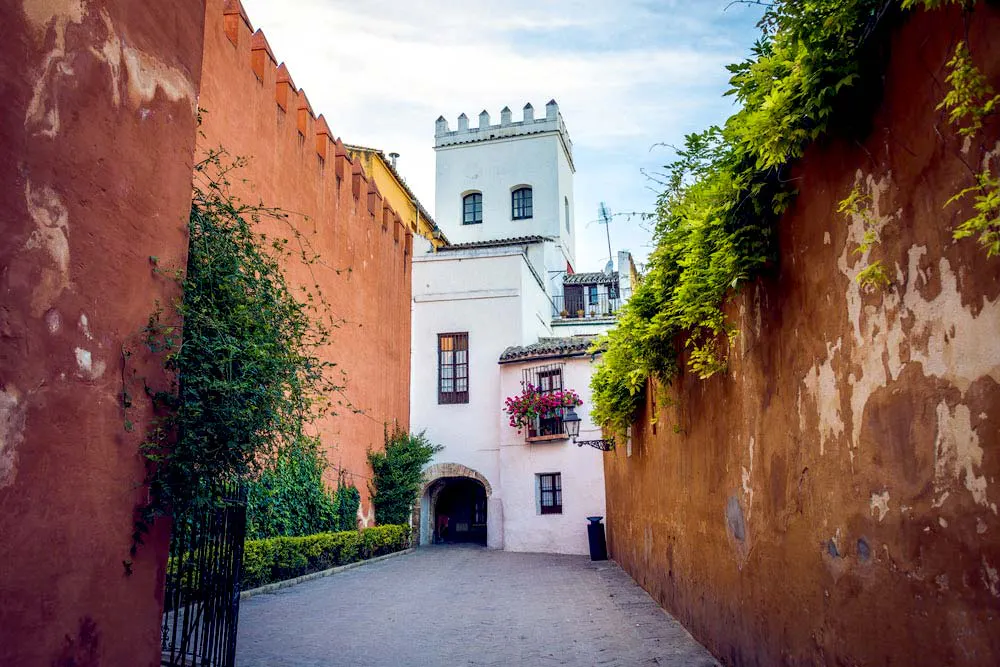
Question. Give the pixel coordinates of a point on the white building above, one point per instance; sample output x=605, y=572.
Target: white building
x=499, y=306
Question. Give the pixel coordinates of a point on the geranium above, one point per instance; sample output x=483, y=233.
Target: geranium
x=533, y=403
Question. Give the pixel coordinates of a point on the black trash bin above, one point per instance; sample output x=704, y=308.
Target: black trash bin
x=595, y=534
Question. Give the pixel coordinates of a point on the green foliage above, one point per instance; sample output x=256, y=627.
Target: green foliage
x=346, y=502
x=986, y=222
x=289, y=496
x=970, y=98
x=859, y=205
x=970, y=101
x=716, y=218
x=279, y=558
x=246, y=377
x=397, y=473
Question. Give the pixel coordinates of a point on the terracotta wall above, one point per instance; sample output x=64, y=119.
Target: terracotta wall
x=253, y=110
x=97, y=131
x=832, y=499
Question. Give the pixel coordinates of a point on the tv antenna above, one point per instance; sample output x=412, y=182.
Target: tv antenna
x=604, y=218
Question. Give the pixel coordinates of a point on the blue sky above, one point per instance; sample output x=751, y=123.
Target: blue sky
x=628, y=75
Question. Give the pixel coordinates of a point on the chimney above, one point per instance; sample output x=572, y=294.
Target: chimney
x=392, y=159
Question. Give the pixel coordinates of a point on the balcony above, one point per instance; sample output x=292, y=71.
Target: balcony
x=585, y=306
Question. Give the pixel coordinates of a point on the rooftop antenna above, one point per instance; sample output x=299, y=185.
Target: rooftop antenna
x=604, y=218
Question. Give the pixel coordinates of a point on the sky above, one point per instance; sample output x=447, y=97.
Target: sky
x=631, y=77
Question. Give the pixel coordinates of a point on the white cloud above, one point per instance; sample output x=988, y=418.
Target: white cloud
x=626, y=75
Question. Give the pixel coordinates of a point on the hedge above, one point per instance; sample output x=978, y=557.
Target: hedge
x=279, y=558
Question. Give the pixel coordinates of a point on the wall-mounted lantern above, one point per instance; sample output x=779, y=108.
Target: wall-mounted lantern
x=571, y=422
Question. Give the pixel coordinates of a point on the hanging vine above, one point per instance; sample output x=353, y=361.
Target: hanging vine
x=246, y=377
x=815, y=72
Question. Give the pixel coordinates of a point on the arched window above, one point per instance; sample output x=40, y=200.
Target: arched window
x=566, y=209
x=520, y=203
x=472, y=209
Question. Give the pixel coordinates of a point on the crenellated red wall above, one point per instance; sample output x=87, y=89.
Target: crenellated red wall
x=253, y=109
x=97, y=131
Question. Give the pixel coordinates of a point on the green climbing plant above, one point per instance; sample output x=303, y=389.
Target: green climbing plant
x=246, y=376
x=816, y=71
x=289, y=497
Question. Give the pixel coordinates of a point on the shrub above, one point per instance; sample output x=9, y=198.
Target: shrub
x=280, y=558
x=289, y=497
x=397, y=474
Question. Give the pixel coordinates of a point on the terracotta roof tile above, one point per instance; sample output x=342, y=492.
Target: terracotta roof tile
x=547, y=348
x=596, y=278
x=497, y=243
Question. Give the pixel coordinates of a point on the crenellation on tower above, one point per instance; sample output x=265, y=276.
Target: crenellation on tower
x=506, y=129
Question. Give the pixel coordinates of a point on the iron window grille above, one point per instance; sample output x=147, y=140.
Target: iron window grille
x=453, y=368
x=520, y=203
x=472, y=209
x=550, y=493
x=593, y=297
x=547, y=380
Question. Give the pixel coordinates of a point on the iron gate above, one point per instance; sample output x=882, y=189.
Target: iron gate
x=202, y=596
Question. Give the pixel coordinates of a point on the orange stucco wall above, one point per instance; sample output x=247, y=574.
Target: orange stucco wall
x=832, y=498
x=253, y=110
x=97, y=130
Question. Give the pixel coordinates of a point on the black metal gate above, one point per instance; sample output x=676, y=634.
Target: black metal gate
x=202, y=597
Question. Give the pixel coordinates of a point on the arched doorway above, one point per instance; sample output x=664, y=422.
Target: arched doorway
x=466, y=497
x=458, y=509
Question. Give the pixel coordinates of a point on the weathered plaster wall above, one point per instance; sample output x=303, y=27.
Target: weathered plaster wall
x=833, y=498
x=97, y=130
x=253, y=110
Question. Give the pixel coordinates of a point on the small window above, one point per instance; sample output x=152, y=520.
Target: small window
x=592, y=297
x=472, y=209
x=520, y=203
x=453, y=368
x=550, y=493
x=566, y=209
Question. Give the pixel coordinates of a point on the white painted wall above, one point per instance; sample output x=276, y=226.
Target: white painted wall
x=582, y=470
x=493, y=295
x=494, y=161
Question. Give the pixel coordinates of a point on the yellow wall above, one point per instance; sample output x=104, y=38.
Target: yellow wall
x=395, y=195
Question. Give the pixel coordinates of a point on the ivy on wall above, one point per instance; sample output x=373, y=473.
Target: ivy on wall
x=289, y=497
x=246, y=378
x=816, y=71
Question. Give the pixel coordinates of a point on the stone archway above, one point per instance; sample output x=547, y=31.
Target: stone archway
x=446, y=477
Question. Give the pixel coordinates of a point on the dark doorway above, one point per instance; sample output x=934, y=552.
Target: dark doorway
x=460, y=512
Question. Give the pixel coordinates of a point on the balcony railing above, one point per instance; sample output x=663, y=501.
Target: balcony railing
x=576, y=307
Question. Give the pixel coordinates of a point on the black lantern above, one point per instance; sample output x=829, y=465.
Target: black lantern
x=571, y=422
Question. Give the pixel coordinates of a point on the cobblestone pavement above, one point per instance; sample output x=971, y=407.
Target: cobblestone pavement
x=465, y=606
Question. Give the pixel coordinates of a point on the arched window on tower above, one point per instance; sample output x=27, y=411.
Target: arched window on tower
x=520, y=203
x=472, y=208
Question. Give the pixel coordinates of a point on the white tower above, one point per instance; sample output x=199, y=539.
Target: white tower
x=508, y=180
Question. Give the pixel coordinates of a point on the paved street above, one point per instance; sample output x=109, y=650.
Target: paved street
x=465, y=606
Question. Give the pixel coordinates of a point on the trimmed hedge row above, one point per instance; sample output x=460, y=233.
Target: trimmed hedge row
x=279, y=558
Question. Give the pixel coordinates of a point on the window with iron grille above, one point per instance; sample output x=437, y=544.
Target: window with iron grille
x=592, y=295
x=546, y=379
x=453, y=368
x=520, y=203
x=550, y=493
x=472, y=209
